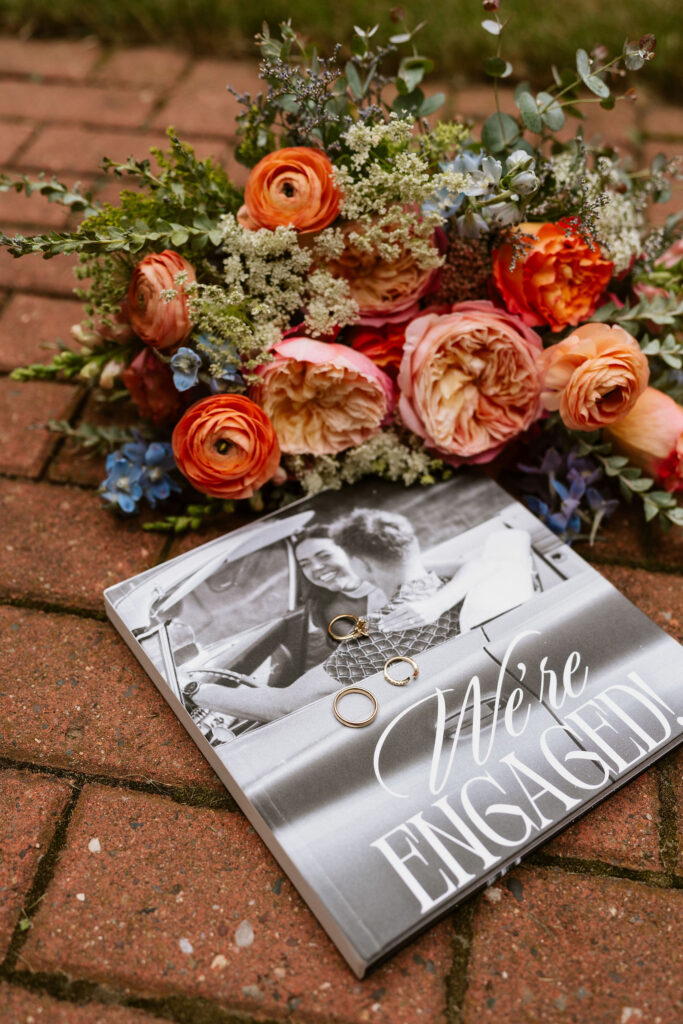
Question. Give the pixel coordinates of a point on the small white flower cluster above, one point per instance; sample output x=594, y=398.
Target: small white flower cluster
x=385, y=455
x=619, y=220
x=362, y=138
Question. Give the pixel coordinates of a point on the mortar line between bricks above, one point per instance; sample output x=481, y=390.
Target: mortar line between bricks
x=177, y=1008
x=28, y=142
x=88, y=488
x=168, y=94
x=602, y=869
x=79, y=406
x=36, y=605
x=185, y=795
x=42, y=878
x=668, y=816
x=457, y=981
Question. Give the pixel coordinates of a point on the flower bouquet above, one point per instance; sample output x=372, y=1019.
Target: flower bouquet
x=391, y=294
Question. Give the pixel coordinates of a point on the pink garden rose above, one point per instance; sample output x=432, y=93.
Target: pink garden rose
x=651, y=436
x=387, y=291
x=322, y=397
x=672, y=256
x=593, y=376
x=156, y=321
x=469, y=380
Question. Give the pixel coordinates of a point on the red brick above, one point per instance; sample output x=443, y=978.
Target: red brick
x=19, y=209
x=61, y=545
x=34, y=274
x=84, y=703
x=60, y=149
x=622, y=830
x=622, y=539
x=201, y=105
x=664, y=122
x=53, y=59
x=12, y=138
x=658, y=594
x=166, y=873
x=29, y=808
x=25, y=442
x=77, y=104
x=144, y=65
x=477, y=102
x=20, y=1006
x=576, y=948
x=29, y=323
x=78, y=465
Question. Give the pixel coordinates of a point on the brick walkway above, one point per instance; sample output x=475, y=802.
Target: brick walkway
x=125, y=870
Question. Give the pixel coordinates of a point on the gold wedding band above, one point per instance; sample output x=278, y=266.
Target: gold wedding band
x=345, y=721
x=360, y=627
x=394, y=660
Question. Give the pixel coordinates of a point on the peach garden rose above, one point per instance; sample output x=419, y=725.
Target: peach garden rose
x=469, y=380
x=558, y=281
x=322, y=397
x=158, y=322
x=651, y=436
x=594, y=376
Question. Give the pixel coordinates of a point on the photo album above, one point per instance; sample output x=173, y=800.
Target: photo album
x=405, y=690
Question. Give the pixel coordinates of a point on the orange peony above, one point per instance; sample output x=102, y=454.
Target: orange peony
x=387, y=291
x=156, y=321
x=594, y=376
x=226, y=446
x=558, y=281
x=292, y=186
x=651, y=436
x=322, y=397
x=469, y=380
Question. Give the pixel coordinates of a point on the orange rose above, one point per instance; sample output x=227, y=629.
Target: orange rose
x=156, y=321
x=594, y=376
x=651, y=436
x=387, y=291
x=384, y=345
x=292, y=186
x=557, y=282
x=226, y=446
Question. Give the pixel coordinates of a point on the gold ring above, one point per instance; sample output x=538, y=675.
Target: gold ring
x=409, y=661
x=365, y=693
x=360, y=627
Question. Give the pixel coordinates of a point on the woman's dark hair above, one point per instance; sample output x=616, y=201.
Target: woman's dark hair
x=374, y=533
x=314, y=532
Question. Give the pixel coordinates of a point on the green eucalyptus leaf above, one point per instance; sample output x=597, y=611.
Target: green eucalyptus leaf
x=551, y=111
x=497, y=67
x=492, y=27
x=432, y=103
x=402, y=37
x=499, y=132
x=529, y=111
x=409, y=104
x=597, y=86
x=522, y=87
x=353, y=78
x=583, y=64
x=608, y=102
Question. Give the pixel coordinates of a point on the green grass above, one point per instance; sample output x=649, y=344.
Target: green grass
x=541, y=32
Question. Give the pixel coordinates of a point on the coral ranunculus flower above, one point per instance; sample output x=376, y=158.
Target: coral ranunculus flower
x=651, y=436
x=156, y=321
x=292, y=186
x=594, y=376
x=322, y=397
x=558, y=281
x=469, y=380
x=226, y=446
x=387, y=291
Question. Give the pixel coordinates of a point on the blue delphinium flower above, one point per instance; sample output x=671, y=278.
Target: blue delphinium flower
x=223, y=360
x=136, y=470
x=185, y=365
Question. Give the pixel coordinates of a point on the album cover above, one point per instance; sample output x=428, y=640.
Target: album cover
x=524, y=689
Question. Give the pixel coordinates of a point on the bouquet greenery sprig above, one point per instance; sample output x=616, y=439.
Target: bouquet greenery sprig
x=391, y=294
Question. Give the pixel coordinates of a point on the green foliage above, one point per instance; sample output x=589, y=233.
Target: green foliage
x=67, y=364
x=92, y=437
x=632, y=482
x=663, y=311
x=52, y=190
x=193, y=517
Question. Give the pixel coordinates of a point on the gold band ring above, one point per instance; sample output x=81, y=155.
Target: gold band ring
x=360, y=627
x=365, y=693
x=395, y=660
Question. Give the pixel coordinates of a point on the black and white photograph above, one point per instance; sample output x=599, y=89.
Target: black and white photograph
x=404, y=690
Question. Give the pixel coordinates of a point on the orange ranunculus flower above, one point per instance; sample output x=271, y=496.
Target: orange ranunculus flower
x=226, y=446
x=384, y=345
x=558, y=281
x=157, y=322
x=594, y=376
x=292, y=186
x=651, y=436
